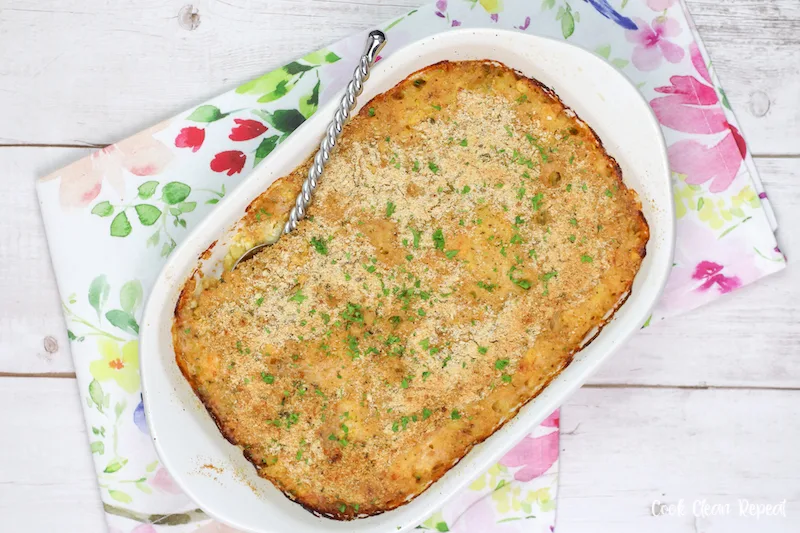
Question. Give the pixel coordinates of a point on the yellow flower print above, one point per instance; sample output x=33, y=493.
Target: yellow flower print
x=492, y=6
x=121, y=365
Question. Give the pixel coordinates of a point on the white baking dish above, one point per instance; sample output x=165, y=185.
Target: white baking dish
x=185, y=435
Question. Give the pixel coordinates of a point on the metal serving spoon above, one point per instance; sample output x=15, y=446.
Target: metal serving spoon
x=375, y=42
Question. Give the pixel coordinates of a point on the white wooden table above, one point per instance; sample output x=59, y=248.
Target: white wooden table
x=701, y=407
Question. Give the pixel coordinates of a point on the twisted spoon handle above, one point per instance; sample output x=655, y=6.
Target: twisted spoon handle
x=375, y=42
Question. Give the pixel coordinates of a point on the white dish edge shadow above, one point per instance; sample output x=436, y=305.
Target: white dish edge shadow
x=184, y=435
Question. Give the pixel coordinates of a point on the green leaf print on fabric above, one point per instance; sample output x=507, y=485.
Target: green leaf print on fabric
x=103, y=209
x=98, y=447
x=114, y=466
x=122, y=320
x=604, y=51
x=567, y=19
x=98, y=293
x=175, y=203
x=148, y=214
x=284, y=120
x=122, y=497
x=147, y=189
x=206, y=113
x=309, y=103
x=121, y=226
x=96, y=395
x=321, y=56
x=264, y=149
x=175, y=192
x=280, y=82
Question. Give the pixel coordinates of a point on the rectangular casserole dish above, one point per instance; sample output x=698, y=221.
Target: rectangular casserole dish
x=186, y=437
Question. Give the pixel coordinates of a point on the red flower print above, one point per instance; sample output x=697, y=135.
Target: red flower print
x=692, y=106
x=231, y=161
x=711, y=273
x=190, y=137
x=247, y=129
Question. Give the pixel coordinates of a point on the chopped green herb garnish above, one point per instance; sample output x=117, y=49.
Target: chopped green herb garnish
x=466, y=189
x=522, y=98
x=371, y=112
x=482, y=350
x=573, y=221
x=508, y=130
x=609, y=193
x=426, y=413
x=269, y=379
x=259, y=301
x=586, y=258
x=572, y=238
x=390, y=209
x=415, y=166
x=455, y=415
x=320, y=245
x=536, y=201
x=298, y=297
x=501, y=364
x=569, y=187
x=451, y=253
x=506, y=378
x=463, y=142
x=436, y=107
x=438, y=239
x=434, y=167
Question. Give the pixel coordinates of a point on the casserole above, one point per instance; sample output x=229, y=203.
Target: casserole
x=186, y=438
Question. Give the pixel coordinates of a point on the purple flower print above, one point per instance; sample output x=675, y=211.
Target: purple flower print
x=455, y=23
x=138, y=417
x=525, y=25
x=494, y=17
x=441, y=7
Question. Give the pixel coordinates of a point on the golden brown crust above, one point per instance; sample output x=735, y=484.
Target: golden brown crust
x=469, y=234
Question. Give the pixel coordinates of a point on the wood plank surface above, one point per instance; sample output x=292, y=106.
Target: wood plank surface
x=107, y=71
x=622, y=449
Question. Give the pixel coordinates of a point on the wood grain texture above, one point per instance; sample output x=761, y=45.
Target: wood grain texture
x=33, y=338
x=749, y=338
x=621, y=450
x=47, y=479
x=108, y=70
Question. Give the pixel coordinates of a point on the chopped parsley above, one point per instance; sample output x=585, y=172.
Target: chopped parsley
x=466, y=189
x=586, y=258
x=455, y=415
x=390, y=209
x=417, y=235
x=426, y=413
x=269, y=379
x=259, y=301
x=572, y=238
x=536, y=201
x=609, y=193
x=371, y=112
x=463, y=142
x=482, y=350
x=501, y=364
x=451, y=253
x=320, y=245
x=438, y=239
x=415, y=166
x=436, y=107
x=298, y=297
x=573, y=221
x=434, y=167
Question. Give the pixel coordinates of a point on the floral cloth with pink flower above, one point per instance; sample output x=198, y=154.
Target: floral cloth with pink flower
x=113, y=218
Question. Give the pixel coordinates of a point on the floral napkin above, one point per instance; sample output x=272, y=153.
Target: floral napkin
x=114, y=217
